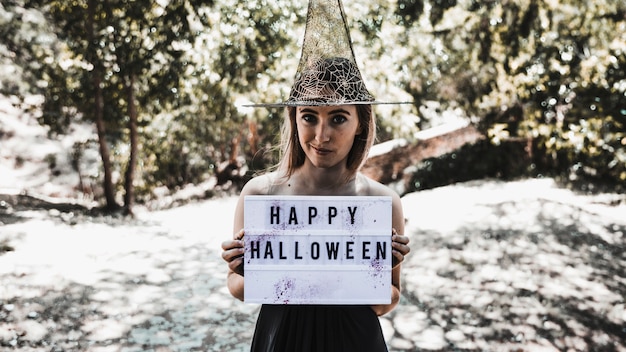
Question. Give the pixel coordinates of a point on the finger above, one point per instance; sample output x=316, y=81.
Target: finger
x=226, y=245
x=239, y=235
x=227, y=255
x=398, y=253
x=401, y=248
x=400, y=239
x=397, y=258
x=400, y=245
x=400, y=242
x=231, y=244
x=236, y=265
x=233, y=264
x=233, y=253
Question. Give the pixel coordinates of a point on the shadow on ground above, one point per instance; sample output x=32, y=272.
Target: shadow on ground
x=176, y=305
x=536, y=275
x=486, y=272
x=76, y=282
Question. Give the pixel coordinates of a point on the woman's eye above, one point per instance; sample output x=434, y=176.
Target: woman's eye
x=339, y=119
x=309, y=118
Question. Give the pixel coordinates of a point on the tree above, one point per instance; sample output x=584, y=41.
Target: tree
x=164, y=83
x=121, y=56
x=552, y=71
x=246, y=52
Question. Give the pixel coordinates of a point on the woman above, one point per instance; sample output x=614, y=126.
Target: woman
x=327, y=133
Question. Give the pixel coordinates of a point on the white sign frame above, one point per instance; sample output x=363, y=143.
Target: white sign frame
x=317, y=249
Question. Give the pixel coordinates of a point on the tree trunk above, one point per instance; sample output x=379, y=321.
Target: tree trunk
x=253, y=137
x=129, y=187
x=109, y=190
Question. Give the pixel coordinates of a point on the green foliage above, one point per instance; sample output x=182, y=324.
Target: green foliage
x=246, y=49
x=553, y=71
x=25, y=54
x=409, y=11
x=509, y=160
x=575, y=108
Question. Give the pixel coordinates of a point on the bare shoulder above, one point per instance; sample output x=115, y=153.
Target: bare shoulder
x=260, y=185
x=370, y=187
x=374, y=188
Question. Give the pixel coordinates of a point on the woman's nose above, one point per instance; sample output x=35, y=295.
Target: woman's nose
x=322, y=133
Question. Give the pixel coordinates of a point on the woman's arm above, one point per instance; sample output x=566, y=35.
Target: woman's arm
x=399, y=249
x=233, y=250
x=233, y=254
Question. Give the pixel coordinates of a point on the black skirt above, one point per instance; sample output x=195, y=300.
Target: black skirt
x=313, y=328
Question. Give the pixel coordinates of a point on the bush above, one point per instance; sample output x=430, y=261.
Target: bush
x=508, y=160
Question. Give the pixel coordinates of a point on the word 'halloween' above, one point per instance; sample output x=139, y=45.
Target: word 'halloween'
x=324, y=250
x=290, y=217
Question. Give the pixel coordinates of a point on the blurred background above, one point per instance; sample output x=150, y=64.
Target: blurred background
x=147, y=97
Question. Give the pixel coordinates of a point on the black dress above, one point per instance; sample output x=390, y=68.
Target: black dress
x=309, y=328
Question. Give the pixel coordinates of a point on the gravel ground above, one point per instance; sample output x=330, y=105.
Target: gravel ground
x=495, y=266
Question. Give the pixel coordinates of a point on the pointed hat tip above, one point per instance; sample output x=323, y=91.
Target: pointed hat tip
x=327, y=72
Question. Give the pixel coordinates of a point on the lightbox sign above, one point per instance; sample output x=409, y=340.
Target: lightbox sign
x=317, y=250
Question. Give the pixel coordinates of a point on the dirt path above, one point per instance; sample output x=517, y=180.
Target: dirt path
x=519, y=266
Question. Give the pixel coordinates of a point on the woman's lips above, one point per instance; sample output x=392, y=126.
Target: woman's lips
x=322, y=151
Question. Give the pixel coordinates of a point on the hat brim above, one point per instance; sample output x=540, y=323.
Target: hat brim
x=321, y=103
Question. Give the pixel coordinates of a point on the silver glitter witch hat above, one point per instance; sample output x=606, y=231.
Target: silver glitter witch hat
x=327, y=73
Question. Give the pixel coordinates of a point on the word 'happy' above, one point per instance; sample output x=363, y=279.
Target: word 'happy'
x=280, y=216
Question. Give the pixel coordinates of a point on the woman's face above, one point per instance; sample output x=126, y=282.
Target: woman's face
x=326, y=133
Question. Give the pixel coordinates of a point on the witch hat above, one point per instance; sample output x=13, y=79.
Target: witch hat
x=327, y=73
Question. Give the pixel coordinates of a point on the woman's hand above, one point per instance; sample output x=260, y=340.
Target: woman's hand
x=399, y=248
x=233, y=253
